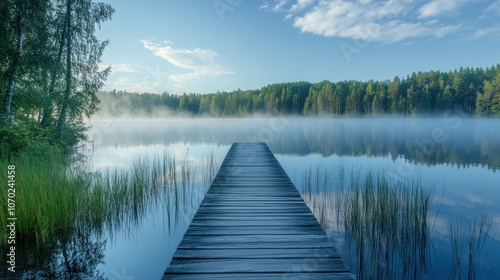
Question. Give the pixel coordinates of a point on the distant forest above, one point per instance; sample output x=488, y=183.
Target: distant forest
x=475, y=91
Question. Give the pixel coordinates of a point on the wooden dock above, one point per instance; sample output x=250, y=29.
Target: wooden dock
x=253, y=224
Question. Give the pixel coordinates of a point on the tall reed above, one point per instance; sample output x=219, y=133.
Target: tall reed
x=46, y=196
x=386, y=222
x=65, y=212
x=468, y=244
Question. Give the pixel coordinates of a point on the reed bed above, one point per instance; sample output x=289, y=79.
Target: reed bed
x=65, y=214
x=387, y=224
x=469, y=245
x=47, y=197
x=54, y=200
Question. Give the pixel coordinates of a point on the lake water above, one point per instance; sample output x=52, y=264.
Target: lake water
x=458, y=158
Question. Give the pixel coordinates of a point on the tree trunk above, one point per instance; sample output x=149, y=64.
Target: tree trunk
x=47, y=111
x=15, y=65
x=64, y=109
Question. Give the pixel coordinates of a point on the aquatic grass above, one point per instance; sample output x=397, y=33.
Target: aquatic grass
x=387, y=224
x=468, y=244
x=385, y=221
x=66, y=213
x=54, y=199
x=457, y=242
x=46, y=195
x=134, y=192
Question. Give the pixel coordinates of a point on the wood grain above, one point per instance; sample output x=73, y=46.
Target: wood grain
x=253, y=224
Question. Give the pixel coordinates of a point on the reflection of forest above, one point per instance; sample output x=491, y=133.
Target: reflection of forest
x=74, y=256
x=450, y=140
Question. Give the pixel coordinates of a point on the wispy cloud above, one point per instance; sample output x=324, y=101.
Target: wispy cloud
x=385, y=21
x=440, y=7
x=115, y=68
x=123, y=68
x=200, y=61
x=301, y=5
x=134, y=84
x=276, y=7
x=486, y=32
x=494, y=8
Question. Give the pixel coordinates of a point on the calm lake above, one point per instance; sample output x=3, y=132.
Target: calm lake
x=456, y=159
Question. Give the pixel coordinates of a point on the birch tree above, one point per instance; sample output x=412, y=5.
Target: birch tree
x=15, y=62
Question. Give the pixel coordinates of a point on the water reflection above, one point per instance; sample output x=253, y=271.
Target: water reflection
x=114, y=205
x=460, y=199
x=76, y=255
x=448, y=140
x=144, y=250
x=458, y=156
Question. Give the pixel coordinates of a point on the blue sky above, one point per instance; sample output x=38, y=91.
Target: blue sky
x=222, y=45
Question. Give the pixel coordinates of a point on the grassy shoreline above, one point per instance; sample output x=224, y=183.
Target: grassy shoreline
x=52, y=198
x=65, y=214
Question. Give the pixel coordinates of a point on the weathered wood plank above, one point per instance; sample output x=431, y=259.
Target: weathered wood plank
x=219, y=210
x=254, y=215
x=251, y=230
x=269, y=209
x=253, y=224
x=250, y=238
x=254, y=245
x=257, y=265
x=274, y=219
x=260, y=276
x=239, y=198
x=258, y=253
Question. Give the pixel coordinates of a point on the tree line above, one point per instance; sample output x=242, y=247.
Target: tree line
x=476, y=91
x=49, y=75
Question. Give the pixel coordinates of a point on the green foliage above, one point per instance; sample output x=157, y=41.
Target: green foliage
x=474, y=91
x=40, y=42
x=29, y=139
x=54, y=200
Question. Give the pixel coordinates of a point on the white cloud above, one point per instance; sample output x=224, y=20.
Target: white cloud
x=143, y=83
x=115, y=68
x=203, y=72
x=301, y=5
x=134, y=84
x=486, y=32
x=123, y=68
x=201, y=61
x=277, y=7
x=494, y=8
x=439, y=7
x=370, y=20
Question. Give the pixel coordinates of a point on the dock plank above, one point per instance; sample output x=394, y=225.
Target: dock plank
x=253, y=224
x=262, y=265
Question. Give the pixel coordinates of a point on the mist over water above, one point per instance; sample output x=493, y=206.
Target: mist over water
x=447, y=140
x=459, y=158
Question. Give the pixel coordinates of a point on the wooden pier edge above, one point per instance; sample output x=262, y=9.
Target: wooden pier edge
x=253, y=224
